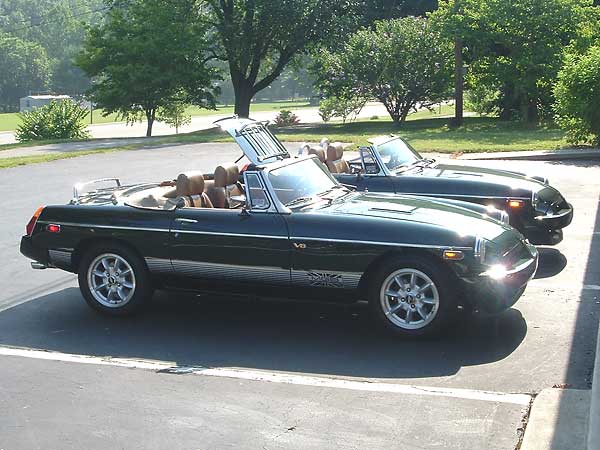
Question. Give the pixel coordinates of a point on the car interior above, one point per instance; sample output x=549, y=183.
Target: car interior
x=222, y=189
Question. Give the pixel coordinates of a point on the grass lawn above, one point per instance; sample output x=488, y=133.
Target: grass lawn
x=479, y=134
x=426, y=131
x=10, y=121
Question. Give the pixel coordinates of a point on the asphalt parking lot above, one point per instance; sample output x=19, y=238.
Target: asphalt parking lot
x=267, y=374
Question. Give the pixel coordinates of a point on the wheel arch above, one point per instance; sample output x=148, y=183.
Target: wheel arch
x=83, y=247
x=382, y=259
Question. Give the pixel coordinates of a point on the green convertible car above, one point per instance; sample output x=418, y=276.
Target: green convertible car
x=286, y=228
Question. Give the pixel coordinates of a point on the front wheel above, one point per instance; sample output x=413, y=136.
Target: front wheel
x=413, y=296
x=114, y=280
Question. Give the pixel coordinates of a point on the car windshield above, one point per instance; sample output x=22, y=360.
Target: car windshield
x=397, y=153
x=301, y=182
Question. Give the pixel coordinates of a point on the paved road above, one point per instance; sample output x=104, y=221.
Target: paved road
x=293, y=361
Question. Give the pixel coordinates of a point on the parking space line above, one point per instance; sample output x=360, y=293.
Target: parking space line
x=272, y=377
x=543, y=283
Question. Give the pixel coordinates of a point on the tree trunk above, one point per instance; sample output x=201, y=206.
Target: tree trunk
x=150, y=116
x=458, y=84
x=243, y=95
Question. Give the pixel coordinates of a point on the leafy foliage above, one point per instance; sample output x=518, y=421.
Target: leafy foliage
x=402, y=63
x=259, y=38
x=57, y=120
x=147, y=55
x=58, y=27
x=515, y=46
x=175, y=115
x=23, y=68
x=286, y=118
x=344, y=107
x=577, y=93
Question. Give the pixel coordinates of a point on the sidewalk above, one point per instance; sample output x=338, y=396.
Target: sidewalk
x=566, y=419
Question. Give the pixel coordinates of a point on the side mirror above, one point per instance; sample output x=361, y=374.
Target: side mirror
x=244, y=212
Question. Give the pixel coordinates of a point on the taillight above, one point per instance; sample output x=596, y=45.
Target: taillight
x=31, y=225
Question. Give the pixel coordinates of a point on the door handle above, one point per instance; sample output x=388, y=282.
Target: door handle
x=185, y=221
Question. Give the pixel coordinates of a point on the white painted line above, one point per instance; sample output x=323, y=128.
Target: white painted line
x=571, y=286
x=274, y=377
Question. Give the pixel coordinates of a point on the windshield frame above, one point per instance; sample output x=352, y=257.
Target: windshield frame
x=383, y=166
x=280, y=206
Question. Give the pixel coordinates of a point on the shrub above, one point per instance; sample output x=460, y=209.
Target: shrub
x=577, y=94
x=286, y=118
x=57, y=120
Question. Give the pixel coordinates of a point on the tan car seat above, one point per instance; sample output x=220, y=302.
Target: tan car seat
x=190, y=188
x=226, y=184
x=335, y=158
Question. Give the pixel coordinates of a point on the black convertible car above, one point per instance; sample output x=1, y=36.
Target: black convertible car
x=290, y=229
x=390, y=164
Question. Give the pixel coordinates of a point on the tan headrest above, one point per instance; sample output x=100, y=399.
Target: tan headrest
x=317, y=151
x=191, y=183
x=226, y=175
x=335, y=151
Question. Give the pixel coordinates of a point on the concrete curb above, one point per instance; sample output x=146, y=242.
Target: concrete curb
x=551, y=155
x=558, y=420
x=594, y=427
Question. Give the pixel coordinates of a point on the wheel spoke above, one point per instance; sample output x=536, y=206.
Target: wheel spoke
x=395, y=309
x=413, y=280
x=421, y=312
x=122, y=295
x=424, y=287
x=429, y=301
x=399, y=282
x=125, y=272
x=99, y=274
x=391, y=293
x=100, y=287
x=408, y=314
x=127, y=284
x=106, y=264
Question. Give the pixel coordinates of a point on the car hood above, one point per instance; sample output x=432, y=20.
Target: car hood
x=503, y=179
x=419, y=210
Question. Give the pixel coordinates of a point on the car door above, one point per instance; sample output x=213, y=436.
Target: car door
x=230, y=246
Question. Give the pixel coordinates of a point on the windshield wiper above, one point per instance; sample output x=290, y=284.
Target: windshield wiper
x=299, y=200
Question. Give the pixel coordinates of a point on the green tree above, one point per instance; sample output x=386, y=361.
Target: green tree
x=58, y=27
x=514, y=46
x=260, y=37
x=24, y=67
x=577, y=93
x=403, y=63
x=147, y=54
x=175, y=115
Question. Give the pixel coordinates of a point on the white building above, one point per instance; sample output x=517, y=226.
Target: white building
x=35, y=101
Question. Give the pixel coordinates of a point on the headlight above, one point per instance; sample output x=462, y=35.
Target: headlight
x=479, y=249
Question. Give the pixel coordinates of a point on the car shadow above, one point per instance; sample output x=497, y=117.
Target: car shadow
x=551, y=262
x=210, y=331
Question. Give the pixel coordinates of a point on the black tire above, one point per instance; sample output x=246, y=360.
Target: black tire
x=438, y=273
x=136, y=298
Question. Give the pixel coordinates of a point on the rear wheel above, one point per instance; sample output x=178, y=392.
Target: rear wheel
x=114, y=280
x=413, y=296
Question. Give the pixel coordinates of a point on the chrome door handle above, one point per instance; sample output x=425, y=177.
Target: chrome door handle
x=186, y=221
